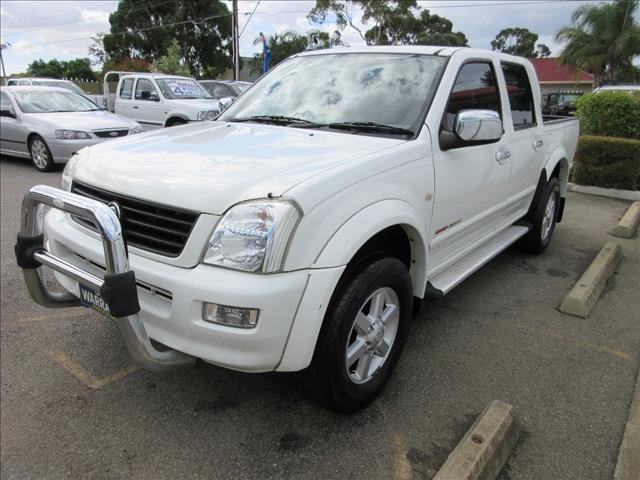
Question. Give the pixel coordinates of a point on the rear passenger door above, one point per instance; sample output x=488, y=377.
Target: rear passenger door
x=469, y=179
x=524, y=134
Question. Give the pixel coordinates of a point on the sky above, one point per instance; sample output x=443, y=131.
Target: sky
x=61, y=29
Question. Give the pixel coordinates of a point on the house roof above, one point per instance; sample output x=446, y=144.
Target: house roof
x=549, y=70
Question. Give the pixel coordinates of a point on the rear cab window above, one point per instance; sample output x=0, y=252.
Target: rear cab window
x=475, y=88
x=520, y=96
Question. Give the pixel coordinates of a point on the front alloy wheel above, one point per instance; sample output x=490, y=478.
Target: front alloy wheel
x=362, y=336
x=372, y=335
x=40, y=154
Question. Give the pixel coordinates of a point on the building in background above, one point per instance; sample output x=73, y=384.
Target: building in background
x=554, y=77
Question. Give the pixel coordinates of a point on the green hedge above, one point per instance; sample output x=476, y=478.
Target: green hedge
x=611, y=114
x=607, y=162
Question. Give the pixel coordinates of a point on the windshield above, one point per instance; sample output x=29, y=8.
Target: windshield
x=240, y=87
x=571, y=98
x=379, y=88
x=174, y=88
x=66, y=85
x=48, y=101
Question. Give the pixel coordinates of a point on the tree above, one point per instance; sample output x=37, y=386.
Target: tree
x=96, y=50
x=603, y=39
x=426, y=29
x=519, y=41
x=77, y=68
x=147, y=28
x=391, y=22
x=171, y=62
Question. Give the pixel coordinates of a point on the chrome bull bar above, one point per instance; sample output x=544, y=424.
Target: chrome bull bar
x=118, y=287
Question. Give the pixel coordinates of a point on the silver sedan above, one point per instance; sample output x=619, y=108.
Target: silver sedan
x=49, y=125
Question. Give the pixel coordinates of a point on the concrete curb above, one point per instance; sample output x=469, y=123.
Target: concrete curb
x=585, y=293
x=628, y=224
x=604, y=192
x=628, y=466
x=485, y=447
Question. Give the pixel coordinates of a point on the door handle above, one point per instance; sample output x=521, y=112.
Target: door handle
x=502, y=154
x=538, y=142
x=135, y=106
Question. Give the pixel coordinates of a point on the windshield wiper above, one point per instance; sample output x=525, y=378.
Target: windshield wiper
x=370, y=127
x=275, y=119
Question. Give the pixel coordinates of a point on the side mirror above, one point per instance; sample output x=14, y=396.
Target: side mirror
x=478, y=125
x=145, y=95
x=7, y=113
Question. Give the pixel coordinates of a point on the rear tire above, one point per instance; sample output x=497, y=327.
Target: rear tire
x=40, y=154
x=363, y=334
x=543, y=219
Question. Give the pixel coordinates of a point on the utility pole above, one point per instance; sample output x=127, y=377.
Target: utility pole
x=4, y=70
x=236, y=42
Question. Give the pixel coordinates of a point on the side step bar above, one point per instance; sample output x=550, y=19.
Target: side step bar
x=445, y=281
x=118, y=287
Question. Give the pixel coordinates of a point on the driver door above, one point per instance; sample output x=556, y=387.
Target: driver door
x=146, y=106
x=13, y=135
x=470, y=178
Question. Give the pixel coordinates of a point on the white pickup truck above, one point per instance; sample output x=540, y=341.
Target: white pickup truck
x=301, y=230
x=157, y=100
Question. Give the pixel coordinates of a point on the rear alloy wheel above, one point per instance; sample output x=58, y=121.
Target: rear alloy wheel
x=543, y=219
x=40, y=154
x=363, y=334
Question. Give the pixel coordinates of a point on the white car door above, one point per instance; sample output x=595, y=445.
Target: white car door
x=147, y=105
x=124, y=97
x=524, y=135
x=469, y=179
x=13, y=135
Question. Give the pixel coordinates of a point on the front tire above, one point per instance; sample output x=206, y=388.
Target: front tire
x=40, y=154
x=543, y=219
x=363, y=334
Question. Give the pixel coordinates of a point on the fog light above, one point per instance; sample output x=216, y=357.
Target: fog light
x=230, y=316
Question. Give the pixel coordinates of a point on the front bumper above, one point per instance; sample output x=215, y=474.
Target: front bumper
x=63, y=150
x=171, y=300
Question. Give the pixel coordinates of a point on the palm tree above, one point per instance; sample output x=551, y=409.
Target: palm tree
x=603, y=39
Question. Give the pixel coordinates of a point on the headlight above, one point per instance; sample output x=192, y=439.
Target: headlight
x=67, y=173
x=253, y=236
x=71, y=135
x=207, y=115
x=135, y=130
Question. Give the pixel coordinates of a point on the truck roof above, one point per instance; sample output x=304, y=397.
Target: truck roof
x=418, y=49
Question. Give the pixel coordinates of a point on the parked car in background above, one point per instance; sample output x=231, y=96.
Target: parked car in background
x=301, y=229
x=619, y=87
x=225, y=91
x=54, y=82
x=157, y=100
x=49, y=124
x=560, y=103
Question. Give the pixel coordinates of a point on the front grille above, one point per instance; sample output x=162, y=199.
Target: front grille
x=112, y=133
x=156, y=228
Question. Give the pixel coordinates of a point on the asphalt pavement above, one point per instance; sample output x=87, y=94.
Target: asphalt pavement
x=74, y=406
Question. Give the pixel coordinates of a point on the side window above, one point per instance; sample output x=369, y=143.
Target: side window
x=145, y=90
x=12, y=82
x=520, y=96
x=5, y=103
x=126, y=88
x=475, y=88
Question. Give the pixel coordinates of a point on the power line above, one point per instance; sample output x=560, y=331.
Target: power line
x=127, y=32
x=250, y=17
